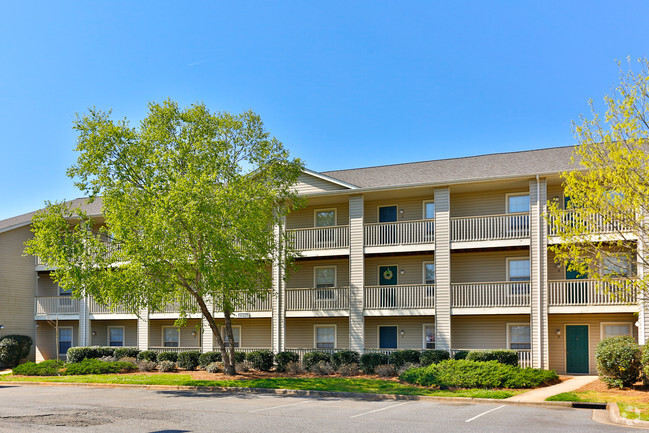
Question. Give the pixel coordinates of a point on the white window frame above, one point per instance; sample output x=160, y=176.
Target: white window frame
x=423, y=334
x=603, y=325
x=509, y=325
x=323, y=325
x=511, y=259
x=378, y=211
x=315, y=216
x=63, y=292
x=315, y=270
x=516, y=194
x=163, y=335
x=513, y=290
x=233, y=328
x=108, y=328
x=378, y=334
x=604, y=271
x=58, y=338
x=423, y=209
x=427, y=294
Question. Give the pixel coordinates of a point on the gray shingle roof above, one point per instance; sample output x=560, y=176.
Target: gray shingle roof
x=93, y=208
x=496, y=165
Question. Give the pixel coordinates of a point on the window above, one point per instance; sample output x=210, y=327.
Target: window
x=236, y=333
x=429, y=279
x=325, y=217
x=518, y=203
x=65, y=297
x=617, y=265
x=519, y=270
x=170, y=336
x=325, y=276
x=429, y=210
x=518, y=335
x=429, y=336
x=615, y=329
x=65, y=339
x=115, y=335
x=325, y=336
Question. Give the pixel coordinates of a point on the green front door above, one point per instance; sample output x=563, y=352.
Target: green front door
x=388, y=277
x=576, y=349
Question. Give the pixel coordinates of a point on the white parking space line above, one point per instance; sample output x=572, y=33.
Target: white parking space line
x=281, y=406
x=378, y=410
x=484, y=413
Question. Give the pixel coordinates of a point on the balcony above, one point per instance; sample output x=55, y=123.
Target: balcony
x=386, y=300
x=592, y=296
x=312, y=302
x=472, y=296
x=320, y=239
x=514, y=229
x=56, y=306
x=589, y=224
x=524, y=356
x=96, y=309
x=404, y=233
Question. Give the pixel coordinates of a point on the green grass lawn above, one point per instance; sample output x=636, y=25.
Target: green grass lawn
x=629, y=407
x=312, y=383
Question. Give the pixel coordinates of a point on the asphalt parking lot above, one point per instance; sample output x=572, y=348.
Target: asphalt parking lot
x=65, y=408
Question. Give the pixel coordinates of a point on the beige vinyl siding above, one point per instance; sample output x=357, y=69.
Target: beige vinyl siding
x=255, y=334
x=412, y=265
x=308, y=184
x=46, y=338
x=17, y=285
x=300, y=331
x=413, y=337
x=100, y=327
x=46, y=285
x=413, y=208
x=186, y=337
x=304, y=276
x=557, y=346
x=555, y=191
x=481, y=203
x=487, y=266
x=305, y=218
x=483, y=332
x=555, y=273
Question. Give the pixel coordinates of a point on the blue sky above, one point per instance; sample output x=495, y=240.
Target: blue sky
x=342, y=84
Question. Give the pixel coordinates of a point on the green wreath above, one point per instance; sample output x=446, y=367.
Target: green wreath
x=388, y=274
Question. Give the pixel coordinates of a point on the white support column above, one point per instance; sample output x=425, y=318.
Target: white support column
x=442, y=268
x=539, y=274
x=356, y=274
x=278, y=321
x=84, y=322
x=207, y=336
x=143, y=329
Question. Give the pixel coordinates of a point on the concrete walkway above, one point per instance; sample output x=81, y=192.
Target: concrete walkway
x=5, y=371
x=541, y=394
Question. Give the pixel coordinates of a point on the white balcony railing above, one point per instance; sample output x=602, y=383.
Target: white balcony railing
x=492, y=227
x=64, y=305
x=97, y=308
x=400, y=233
x=252, y=303
x=498, y=294
x=173, y=349
x=398, y=297
x=591, y=292
x=589, y=223
x=319, y=238
x=326, y=298
x=524, y=356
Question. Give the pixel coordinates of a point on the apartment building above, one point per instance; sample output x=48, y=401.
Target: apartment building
x=448, y=254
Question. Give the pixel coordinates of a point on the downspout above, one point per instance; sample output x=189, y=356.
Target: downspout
x=538, y=267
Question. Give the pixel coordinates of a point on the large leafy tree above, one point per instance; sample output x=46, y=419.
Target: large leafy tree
x=190, y=199
x=604, y=231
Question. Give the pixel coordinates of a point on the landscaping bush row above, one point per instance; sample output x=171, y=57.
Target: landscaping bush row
x=87, y=366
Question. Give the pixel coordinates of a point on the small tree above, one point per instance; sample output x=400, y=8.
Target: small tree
x=191, y=200
x=609, y=188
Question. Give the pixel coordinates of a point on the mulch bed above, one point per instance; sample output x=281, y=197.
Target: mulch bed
x=637, y=392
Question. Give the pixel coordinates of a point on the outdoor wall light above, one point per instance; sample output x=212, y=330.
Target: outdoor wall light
x=558, y=332
x=194, y=334
x=401, y=212
x=402, y=333
x=558, y=265
x=2, y=326
x=94, y=333
x=402, y=272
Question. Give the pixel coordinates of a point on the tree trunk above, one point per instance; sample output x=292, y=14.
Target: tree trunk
x=228, y=358
x=229, y=369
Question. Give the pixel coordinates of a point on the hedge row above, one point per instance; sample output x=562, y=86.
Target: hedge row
x=87, y=366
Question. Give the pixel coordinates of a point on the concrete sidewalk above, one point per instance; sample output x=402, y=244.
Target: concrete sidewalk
x=5, y=371
x=541, y=394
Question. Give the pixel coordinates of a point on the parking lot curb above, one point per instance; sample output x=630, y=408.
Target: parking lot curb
x=298, y=393
x=614, y=416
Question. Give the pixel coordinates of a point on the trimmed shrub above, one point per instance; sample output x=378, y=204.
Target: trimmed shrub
x=645, y=364
x=369, y=361
x=407, y=366
x=188, y=360
x=106, y=358
x=145, y=365
x=434, y=356
x=126, y=352
x=45, y=368
x=312, y=358
x=166, y=366
x=386, y=370
x=343, y=357
x=322, y=368
x=208, y=358
x=477, y=374
x=78, y=354
x=349, y=369
x=283, y=358
x=618, y=361
x=461, y=354
x=504, y=356
x=239, y=357
x=293, y=367
x=14, y=348
x=95, y=366
x=128, y=359
x=243, y=366
x=261, y=360
x=400, y=357
x=168, y=356
x=147, y=355
x=214, y=367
